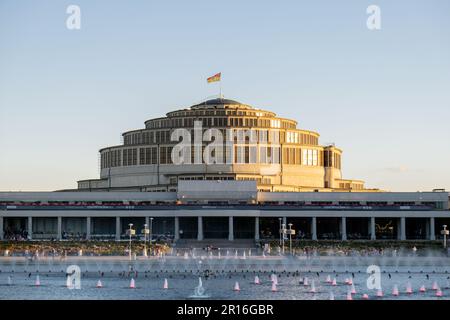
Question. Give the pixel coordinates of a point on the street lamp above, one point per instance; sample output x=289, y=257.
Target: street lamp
x=283, y=230
x=151, y=234
x=145, y=239
x=445, y=233
x=130, y=232
x=280, y=230
x=290, y=238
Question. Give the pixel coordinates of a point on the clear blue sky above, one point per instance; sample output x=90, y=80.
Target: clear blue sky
x=382, y=96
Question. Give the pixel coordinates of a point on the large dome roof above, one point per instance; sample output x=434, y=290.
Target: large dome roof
x=218, y=101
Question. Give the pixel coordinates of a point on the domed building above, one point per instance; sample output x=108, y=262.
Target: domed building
x=257, y=145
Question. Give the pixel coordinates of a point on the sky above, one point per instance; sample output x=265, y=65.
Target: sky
x=383, y=96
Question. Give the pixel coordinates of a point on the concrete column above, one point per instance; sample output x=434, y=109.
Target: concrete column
x=402, y=228
x=59, y=235
x=230, y=229
x=88, y=228
x=256, y=228
x=1, y=228
x=200, y=229
x=177, y=228
x=432, y=231
x=30, y=227
x=344, y=228
x=117, y=228
x=314, y=228
x=373, y=235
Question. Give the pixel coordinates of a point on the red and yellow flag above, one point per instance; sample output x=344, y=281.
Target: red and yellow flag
x=214, y=78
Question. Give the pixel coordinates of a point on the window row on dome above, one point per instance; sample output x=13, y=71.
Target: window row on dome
x=220, y=122
x=220, y=112
x=163, y=136
x=242, y=154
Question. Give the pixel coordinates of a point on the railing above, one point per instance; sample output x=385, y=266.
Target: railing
x=171, y=206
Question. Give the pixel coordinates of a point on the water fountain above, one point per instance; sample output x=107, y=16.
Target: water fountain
x=422, y=289
x=199, y=291
x=328, y=279
x=132, y=284
x=353, y=289
x=331, y=295
x=349, y=296
x=409, y=288
x=365, y=296
x=435, y=286
x=379, y=293
x=9, y=281
x=274, y=287
x=236, y=287
x=395, y=291
x=99, y=284
x=438, y=292
x=166, y=284
x=274, y=278
x=305, y=282
x=334, y=282
x=37, y=282
x=257, y=281
x=313, y=287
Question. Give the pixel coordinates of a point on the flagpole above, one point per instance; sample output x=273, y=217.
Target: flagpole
x=220, y=89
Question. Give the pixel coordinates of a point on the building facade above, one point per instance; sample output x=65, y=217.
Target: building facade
x=257, y=146
x=227, y=210
x=266, y=173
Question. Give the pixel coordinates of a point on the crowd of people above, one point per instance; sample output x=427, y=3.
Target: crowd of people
x=16, y=235
x=61, y=249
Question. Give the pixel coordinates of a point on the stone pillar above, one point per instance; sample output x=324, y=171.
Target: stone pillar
x=177, y=228
x=200, y=229
x=432, y=231
x=314, y=228
x=373, y=235
x=230, y=229
x=30, y=227
x=1, y=227
x=117, y=228
x=88, y=228
x=343, y=228
x=402, y=228
x=59, y=235
x=256, y=228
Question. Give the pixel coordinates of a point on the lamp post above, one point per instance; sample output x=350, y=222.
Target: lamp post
x=145, y=239
x=150, y=235
x=280, y=230
x=283, y=230
x=130, y=232
x=290, y=238
x=445, y=233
